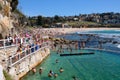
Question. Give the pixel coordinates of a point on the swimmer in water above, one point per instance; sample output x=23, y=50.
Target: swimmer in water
x=40, y=70
x=57, y=61
x=61, y=70
x=33, y=70
x=55, y=75
x=50, y=74
x=74, y=78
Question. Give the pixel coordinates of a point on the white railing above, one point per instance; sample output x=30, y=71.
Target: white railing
x=19, y=56
x=5, y=43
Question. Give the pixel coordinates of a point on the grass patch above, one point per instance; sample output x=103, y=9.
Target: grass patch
x=80, y=23
x=7, y=76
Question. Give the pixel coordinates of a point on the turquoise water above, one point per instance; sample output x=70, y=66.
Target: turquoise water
x=106, y=32
x=99, y=66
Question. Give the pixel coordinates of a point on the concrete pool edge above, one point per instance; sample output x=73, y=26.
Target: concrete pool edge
x=20, y=69
x=47, y=53
x=38, y=63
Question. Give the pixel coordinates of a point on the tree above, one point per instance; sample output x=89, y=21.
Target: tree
x=47, y=20
x=56, y=18
x=40, y=20
x=14, y=4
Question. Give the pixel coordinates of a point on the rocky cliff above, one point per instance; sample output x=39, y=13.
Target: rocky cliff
x=6, y=21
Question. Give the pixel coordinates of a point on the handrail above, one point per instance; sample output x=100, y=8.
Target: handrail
x=14, y=59
x=5, y=43
x=25, y=56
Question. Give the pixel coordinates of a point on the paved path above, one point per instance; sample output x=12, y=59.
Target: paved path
x=1, y=73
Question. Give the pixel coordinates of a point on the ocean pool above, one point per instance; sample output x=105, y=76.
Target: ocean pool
x=99, y=66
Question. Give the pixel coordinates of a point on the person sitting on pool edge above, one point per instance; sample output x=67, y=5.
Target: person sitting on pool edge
x=61, y=70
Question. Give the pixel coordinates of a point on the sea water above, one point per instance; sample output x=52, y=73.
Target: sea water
x=99, y=66
x=113, y=35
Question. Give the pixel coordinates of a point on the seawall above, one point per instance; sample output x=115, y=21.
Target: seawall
x=24, y=66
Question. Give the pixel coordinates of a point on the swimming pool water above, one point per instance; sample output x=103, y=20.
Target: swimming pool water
x=99, y=66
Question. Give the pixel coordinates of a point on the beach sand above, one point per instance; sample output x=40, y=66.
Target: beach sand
x=72, y=30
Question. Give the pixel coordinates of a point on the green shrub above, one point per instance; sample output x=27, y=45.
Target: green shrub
x=7, y=76
x=0, y=7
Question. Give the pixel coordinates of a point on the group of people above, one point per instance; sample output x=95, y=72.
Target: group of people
x=50, y=74
x=27, y=43
x=69, y=47
x=9, y=40
x=40, y=70
x=15, y=38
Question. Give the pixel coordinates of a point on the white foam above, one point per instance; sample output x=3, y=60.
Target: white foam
x=117, y=30
x=109, y=35
x=118, y=46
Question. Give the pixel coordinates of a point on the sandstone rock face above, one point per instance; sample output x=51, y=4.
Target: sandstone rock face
x=5, y=19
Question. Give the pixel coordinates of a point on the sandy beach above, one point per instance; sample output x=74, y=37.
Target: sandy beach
x=72, y=30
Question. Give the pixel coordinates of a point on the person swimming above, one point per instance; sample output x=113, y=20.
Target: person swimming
x=61, y=70
x=40, y=70
x=55, y=75
x=57, y=61
x=51, y=73
x=33, y=70
x=74, y=78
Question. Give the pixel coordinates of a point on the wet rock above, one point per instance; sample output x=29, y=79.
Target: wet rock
x=115, y=42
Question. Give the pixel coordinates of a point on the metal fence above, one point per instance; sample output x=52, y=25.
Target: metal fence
x=14, y=59
x=5, y=43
